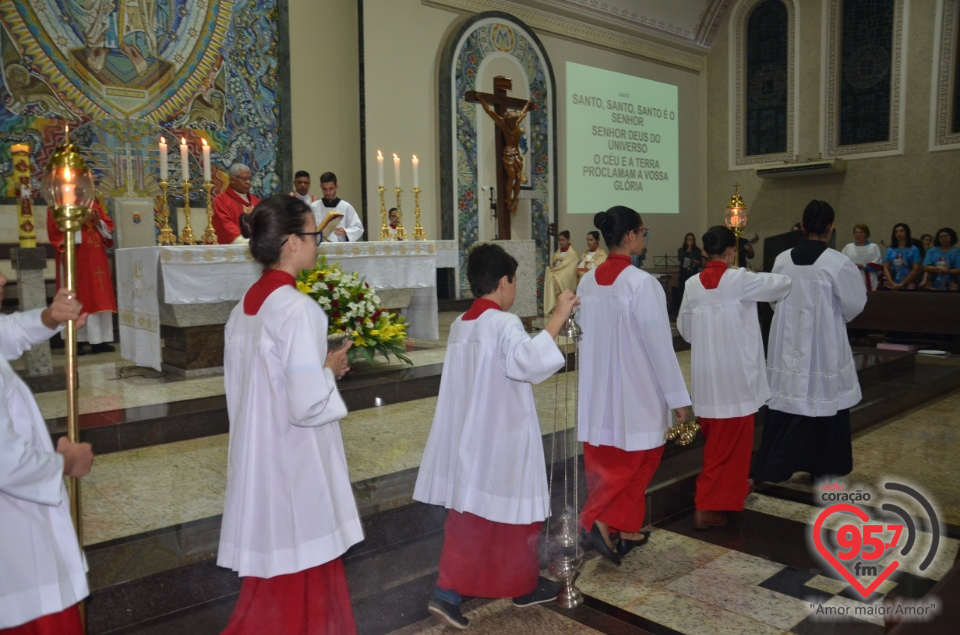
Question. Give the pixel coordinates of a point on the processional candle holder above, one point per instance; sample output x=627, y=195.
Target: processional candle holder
x=384, y=230
x=401, y=232
x=736, y=220
x=418, y=233
x=166, y=237
x=566, y=555
x=186, y=234
x=68, y=189
x=209, y=234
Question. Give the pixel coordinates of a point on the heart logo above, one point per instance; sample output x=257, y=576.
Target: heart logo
x=832, y=559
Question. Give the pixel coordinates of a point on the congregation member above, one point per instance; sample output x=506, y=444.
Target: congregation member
x=94, y=279
x=561, y=274
x=942, y=264
x=43, y=569
x=484, y=457
x=393, y=217
x=745, y=253
x=810, y=368
x=902, y=260
x=690, y=258
x=349, y=228
x=630, y=381
x=289, y=511
x=593, y=257
x=728, y=375
x=926, y=242
x=866, y=255
x=301, y=188
x=231, y=204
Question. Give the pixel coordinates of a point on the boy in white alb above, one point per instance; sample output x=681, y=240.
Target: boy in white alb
x=484, y=457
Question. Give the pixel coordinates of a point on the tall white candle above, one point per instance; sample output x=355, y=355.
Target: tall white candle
x=163, y=159
x=416, y=172
x=396, y=169
x=206, y=162
x=184, y=162
x=379, y=168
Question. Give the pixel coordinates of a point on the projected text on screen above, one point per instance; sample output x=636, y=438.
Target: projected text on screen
x=622, y=142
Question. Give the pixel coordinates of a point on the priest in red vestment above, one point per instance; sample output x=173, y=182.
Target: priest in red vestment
x=94, y=280
x=232, y=203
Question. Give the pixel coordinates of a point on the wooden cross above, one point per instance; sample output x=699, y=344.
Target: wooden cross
x=500, y=102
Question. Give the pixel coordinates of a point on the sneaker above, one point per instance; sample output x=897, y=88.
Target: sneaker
x=546, y=591
x=447, y=613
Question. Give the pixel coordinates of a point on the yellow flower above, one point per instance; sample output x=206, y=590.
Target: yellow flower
x=304, y=288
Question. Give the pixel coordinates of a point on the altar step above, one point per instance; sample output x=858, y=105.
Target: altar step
x=152, y=582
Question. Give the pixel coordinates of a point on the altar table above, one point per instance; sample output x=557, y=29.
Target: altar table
x=198, y=285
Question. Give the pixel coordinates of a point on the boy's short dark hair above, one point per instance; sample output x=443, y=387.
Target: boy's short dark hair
x=486, y=264
x=817, y=216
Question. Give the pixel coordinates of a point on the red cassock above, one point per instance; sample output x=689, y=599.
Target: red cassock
x=94, y=280
x=227, y=209
x=722, y=485
x=65, y=622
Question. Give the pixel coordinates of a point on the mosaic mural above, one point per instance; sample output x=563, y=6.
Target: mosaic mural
x=124, y=73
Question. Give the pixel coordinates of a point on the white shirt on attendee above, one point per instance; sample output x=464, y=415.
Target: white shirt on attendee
x=865, y=254
x=810, y=365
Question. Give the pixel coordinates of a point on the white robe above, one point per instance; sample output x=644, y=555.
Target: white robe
x=484, y=454
x=727, y=369
x=810, y=365
x=559, y=277
x=289, y=504
x=863, y=255
x=42, y=569
x=630, y=378
x=350, y=222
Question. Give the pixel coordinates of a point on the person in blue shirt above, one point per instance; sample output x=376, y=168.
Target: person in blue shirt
x=901, y=262
x=942, y=264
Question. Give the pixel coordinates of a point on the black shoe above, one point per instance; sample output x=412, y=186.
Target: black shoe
x=81, y=350
x=546, y=591
x=102, y=348
x=595, y=539
x=626, y=546
x=448, y=614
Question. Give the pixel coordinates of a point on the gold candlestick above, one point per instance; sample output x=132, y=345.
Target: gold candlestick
x=384, y=230
x=401, y=232
x=418, y=233
x=186, y=234
x=167, y=237
x=209, y=234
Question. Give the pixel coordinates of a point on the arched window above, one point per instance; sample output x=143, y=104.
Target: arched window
x=946, y=107
x=763, y=64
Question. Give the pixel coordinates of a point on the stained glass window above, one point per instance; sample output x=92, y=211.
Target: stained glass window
x=865, y=65
x=766, y=86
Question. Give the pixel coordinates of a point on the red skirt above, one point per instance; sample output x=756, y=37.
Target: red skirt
x=311, y=602
x=66, y=622
x=486, y=559
x=617, y=483
x=722, y=485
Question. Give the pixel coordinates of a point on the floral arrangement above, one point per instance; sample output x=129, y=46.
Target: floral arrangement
x=354, y=311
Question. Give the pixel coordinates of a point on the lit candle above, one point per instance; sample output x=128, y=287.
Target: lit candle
x=416, y=172
x=206, y=162
x=379, y=168
x=69, y=187
x=396, y=169
x=184, y=163
x=163, y=159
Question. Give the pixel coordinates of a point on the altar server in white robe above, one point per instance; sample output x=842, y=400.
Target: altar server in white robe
x=484, y=457
x=289, y=512
x=810, y=367
x=718, y=316
x=349, y=228
x=42, y=568
x=561, y=274
x=630, y=380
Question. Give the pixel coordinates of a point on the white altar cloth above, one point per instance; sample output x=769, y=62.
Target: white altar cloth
x=207, y=274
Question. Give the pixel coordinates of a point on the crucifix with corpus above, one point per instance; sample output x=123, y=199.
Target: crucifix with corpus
x=505, y=114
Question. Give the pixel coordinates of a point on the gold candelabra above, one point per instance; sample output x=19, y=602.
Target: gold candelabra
x=209, y=234
x=167, y=237
x=418, y=233
x=401, y=232
x=384, y=230
x=186, y=234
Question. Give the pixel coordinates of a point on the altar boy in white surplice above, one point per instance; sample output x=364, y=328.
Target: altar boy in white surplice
x=484, y=457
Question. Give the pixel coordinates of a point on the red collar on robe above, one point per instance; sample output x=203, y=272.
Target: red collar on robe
x=563, y=251
x=478, y=307
x=711, y=274
x=233, y=194
x=612, y=267
x=270, y=281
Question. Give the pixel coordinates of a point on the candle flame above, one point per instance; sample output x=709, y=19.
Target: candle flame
x=183, y=140
x=379, y=154
x=204, y=141
x=163, y=140
x=415, y=158
x=395, y=157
